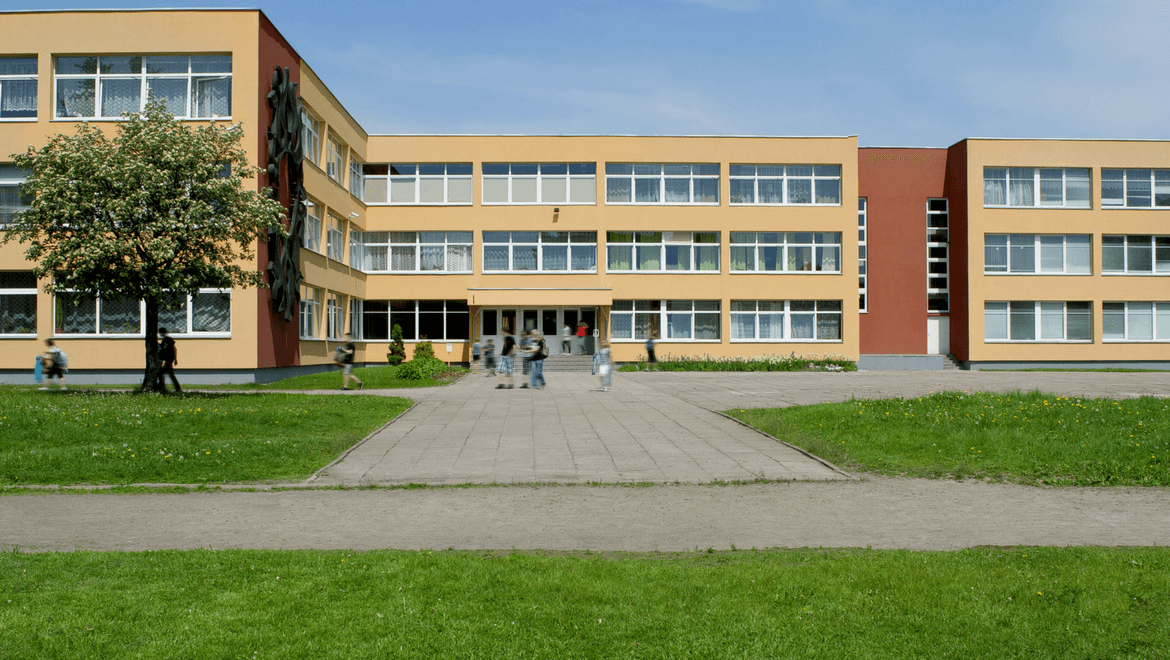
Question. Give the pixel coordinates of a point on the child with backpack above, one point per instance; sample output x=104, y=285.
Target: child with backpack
x=55, y=363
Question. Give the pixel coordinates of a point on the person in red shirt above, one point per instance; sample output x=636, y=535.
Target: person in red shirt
x=581, y=330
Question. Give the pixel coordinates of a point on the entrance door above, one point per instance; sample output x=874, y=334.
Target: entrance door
x=498, y=322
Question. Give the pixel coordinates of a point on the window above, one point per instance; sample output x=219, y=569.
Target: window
x=862, y=259
x=786, y=320
x=18, y=303
x=539, y=183
x=786, y=184
x=335, y=159
x=311, y=137
x=18, y=87
x=12, y=201
x=1037, y=321
x=334, y=317
x=313, y=227
x=683, y=320
x=355, y=318
x=1135, y=321
x=421, y=183
x=356, y=179
x=1036, y=253
x=310, y=312
x=1133, y=188
x=792, y=252
x=414, y=251
x=335, y=241
x=79, y=313
x=540, y=251
x=435, y=320
x=663, y=251
x=938, y=297
x=209, y=313
x=1135, y=255
x=656, y=183
x=1036, y=187
x=105, y=86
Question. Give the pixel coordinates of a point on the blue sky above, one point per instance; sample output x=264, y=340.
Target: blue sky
x=905, y=73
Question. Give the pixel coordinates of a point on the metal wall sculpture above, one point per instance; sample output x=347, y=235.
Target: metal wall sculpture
x=284, y=143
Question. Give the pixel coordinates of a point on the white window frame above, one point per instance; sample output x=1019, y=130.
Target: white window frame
x=335, y=159
x=14, y=292
x=383, y=179
x=143, y=77
x=785, y=309
x=745, y=181
x=823, y=250
x=335, y=239
x=1159, y=188
x=662, y=310
x=311, y=137
x=452, y=318
x=334, y=316
x=938, y=233
x=1036, y=177
x=1039, y=310
x=862, y=255
x=1157, y=315
x=633, y=173
x=667, y=239
x=542, y=241
x=1159, y=252
x=310, y=312
x=356, y=178
x=6, y=79
x=186, y=331
x=11, y=177
x=460, y=243
x=1016, y=244
x=355, y=318
x=579, y=179
x=312, y=237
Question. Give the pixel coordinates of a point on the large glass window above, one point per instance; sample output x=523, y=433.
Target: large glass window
x=414, y=251
x=209, y=313
x=1135, y=188
x=335, y=159
x=12, y=201
x=786, y=320
x=310, y=312
x=356, y=179
x=1059, y=254
x=540, y=183
x=1028, y=320
x=1135, y=255
x=18, y=303
x=786, y=184
x=1135, y=321
x=105, y=86
x=1036, y=187
x=862, y=258
x=663, y=251
x=335, y=241
x=434, y=320
x=417, y=183
x=658, y=183
x=18, y=87
x=791, y=252
x=311, y=137
x=672, y=320
x=938, y=260
x=334, y=316
x=313, y=227
x=543, y=251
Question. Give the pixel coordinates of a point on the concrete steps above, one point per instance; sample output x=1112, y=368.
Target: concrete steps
x=568, y=363
x=950, y=363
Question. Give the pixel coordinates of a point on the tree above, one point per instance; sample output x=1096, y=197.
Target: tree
x=159, y=211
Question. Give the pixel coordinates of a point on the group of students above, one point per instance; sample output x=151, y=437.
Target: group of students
x=532, y=350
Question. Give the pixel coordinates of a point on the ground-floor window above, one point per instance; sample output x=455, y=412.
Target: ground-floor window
x=434, y=320
x=18, y=303
x=674, y=320
x=1029, y=320
x=208, y=313
x=1135, y=321
x=786, y=320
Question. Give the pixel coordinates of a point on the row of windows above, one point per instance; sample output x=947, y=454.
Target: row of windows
x=207, y=314
x=751, y=320
x=1070, y=254
x=1055, y=187
x=1045, y=321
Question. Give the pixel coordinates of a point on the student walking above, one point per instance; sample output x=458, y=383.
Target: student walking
x=168, y=354
x=523, y=354
x=651, y=359
x=489, y=358
x=581, y=330
x=603, y=365
x=566, y=340
x=55, y=363
x=537, y=353
x=506, y=354
x=474, y=356
x=347, y=356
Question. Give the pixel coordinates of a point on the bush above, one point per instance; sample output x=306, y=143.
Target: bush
x=397, y=348
x=790, y=362
x=421, y=367
x=424, y=349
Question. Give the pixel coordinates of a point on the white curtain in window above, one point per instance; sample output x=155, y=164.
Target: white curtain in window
x=994, y=186
x=212, y=97
x=171, y=91
x=19, y=98
x=432, y=257
x=1021, y=187
x=459, y=258
x=402, y=258
x=121, y=95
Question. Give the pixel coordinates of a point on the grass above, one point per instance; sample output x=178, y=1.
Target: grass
x=99, y=437
x=380, y=378
x=1065, y=603
x=1031, y=438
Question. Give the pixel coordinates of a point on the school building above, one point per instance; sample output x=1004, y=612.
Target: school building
x=994, y=252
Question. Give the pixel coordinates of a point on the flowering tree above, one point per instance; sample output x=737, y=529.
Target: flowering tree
x=155, y=213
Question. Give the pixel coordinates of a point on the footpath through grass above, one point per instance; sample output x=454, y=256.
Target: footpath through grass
x=1031, y=438
x=99, y=437
x=1065, y=603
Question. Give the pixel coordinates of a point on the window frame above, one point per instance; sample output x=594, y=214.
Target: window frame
x=388, y=174
x=1159, y=178
x=938, y=236
x=587, y=172
x=1158, y=243
x=186, y=332
x=335, y=239
x=693, y=246
x=1158, y=309
x=335, y=156
x=311, y=137
x=821, y=308
x=334, y=316
x=309, y=313
x=1037, y=255
x=311, y=240
x=22, y=77
x=451, y=239
x=738, y=173
x=489, y=239
x=662, y=309
x=16, y=291
x=11, y=177
x=633, y=177
x=814, y=244
x=462, y=312
x=862, y=255
x=1037, y=313
x=357, y=183
x=1037, y=182
x=143, y=77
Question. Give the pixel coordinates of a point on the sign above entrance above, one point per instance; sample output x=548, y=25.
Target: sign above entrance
x=533, y=297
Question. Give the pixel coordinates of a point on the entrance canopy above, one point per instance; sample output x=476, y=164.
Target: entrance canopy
x=537, y=297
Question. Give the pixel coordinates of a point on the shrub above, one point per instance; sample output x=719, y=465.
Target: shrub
x=790, y=362
x=424, y=349
x=421, y=367
x=397, y=348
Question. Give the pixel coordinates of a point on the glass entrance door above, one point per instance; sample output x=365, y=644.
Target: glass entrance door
x=498, y=322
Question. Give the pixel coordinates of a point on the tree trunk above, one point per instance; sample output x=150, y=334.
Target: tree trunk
x=152, y=380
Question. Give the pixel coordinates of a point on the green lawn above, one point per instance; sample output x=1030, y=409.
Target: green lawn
x=381, y=378
x=1028, y=438
x=100, y=437
x=1065, y=603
